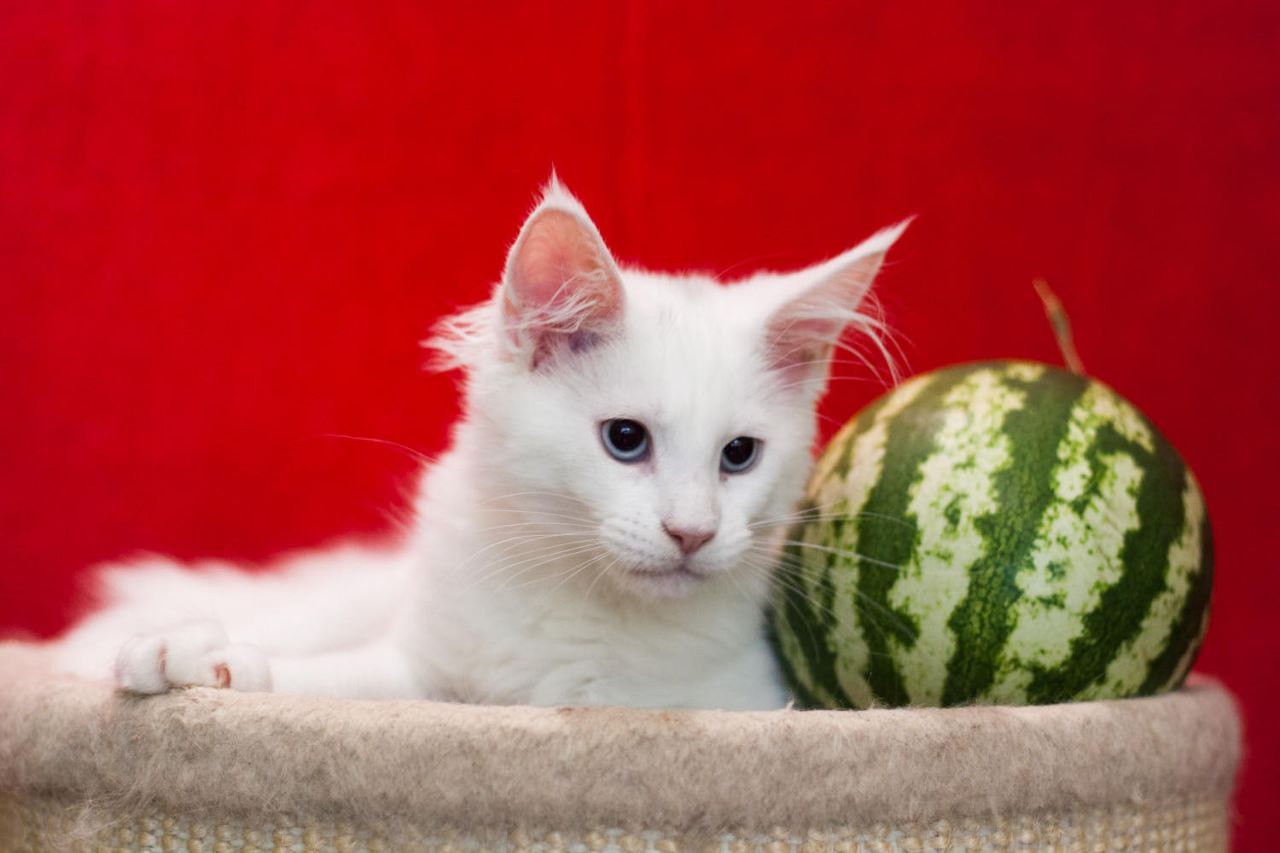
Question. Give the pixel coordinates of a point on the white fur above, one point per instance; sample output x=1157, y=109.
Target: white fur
x=538, y=570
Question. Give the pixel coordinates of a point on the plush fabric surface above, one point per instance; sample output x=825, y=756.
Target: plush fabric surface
x=239, y=756
x=30, y=825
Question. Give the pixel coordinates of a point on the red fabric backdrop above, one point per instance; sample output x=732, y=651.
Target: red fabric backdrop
x=224, y=227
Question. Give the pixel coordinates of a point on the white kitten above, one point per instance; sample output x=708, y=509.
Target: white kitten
x=601, y=532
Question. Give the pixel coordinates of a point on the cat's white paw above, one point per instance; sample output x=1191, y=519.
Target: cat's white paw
x=194, y=654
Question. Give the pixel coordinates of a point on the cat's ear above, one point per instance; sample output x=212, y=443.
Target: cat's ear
x=561, y=289
x=824, y=300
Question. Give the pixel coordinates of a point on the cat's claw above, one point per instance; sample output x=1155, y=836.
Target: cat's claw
x=197, y=654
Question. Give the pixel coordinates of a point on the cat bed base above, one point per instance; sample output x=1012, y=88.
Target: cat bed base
x=205, y=770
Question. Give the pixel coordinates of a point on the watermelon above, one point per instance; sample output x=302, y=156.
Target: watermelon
x=1000, y=532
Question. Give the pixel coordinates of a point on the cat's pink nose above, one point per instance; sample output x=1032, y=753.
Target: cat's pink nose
x=689, y=539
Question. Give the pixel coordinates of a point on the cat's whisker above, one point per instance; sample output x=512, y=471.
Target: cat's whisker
x=823, y=610
x=552, y=525
x=828, y=612
x=532, y=493
x=787, y=562
x=827, y=549
x=535, y=513
x=753, y=260
x=808, y=411
x=404, y=448
x=809, y=507
x=535, y=563
x=825, y=381
x=781, y=569
x=787, y=518
x=806, y=516
x=733, y=576
x=520, y=554
x=568, y=570
x=512, y=543
x=833, y=362
x=573, y=573
x=586, y=596
x=521, y=548
x=599, y=573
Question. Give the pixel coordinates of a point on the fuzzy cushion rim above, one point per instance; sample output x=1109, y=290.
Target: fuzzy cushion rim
x=217, y=752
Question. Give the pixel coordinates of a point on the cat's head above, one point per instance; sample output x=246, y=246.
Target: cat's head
x=660, y=425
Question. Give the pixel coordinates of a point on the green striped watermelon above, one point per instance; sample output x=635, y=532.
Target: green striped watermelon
x=996, y=532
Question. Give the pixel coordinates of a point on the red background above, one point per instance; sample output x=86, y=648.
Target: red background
x=224, y=228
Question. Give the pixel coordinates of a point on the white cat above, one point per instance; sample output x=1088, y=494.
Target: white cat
x=601, y=532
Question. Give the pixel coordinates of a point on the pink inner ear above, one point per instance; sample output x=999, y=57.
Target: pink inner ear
x=555, y=250
x=558, y=264
x=798, y=348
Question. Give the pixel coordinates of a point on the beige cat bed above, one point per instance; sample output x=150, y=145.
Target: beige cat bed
x=207, y=770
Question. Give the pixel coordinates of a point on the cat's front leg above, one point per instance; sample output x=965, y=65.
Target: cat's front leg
x=199, y=654
x=196, y=654
x=379, y=669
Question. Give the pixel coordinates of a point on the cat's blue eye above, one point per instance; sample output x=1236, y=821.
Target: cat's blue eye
x=626, y=440
x=739, y=455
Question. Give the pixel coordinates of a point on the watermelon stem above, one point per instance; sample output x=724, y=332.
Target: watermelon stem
x=1061, y=325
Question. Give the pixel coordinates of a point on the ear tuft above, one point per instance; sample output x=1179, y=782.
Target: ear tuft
x=556, y=194
x=829, y=298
